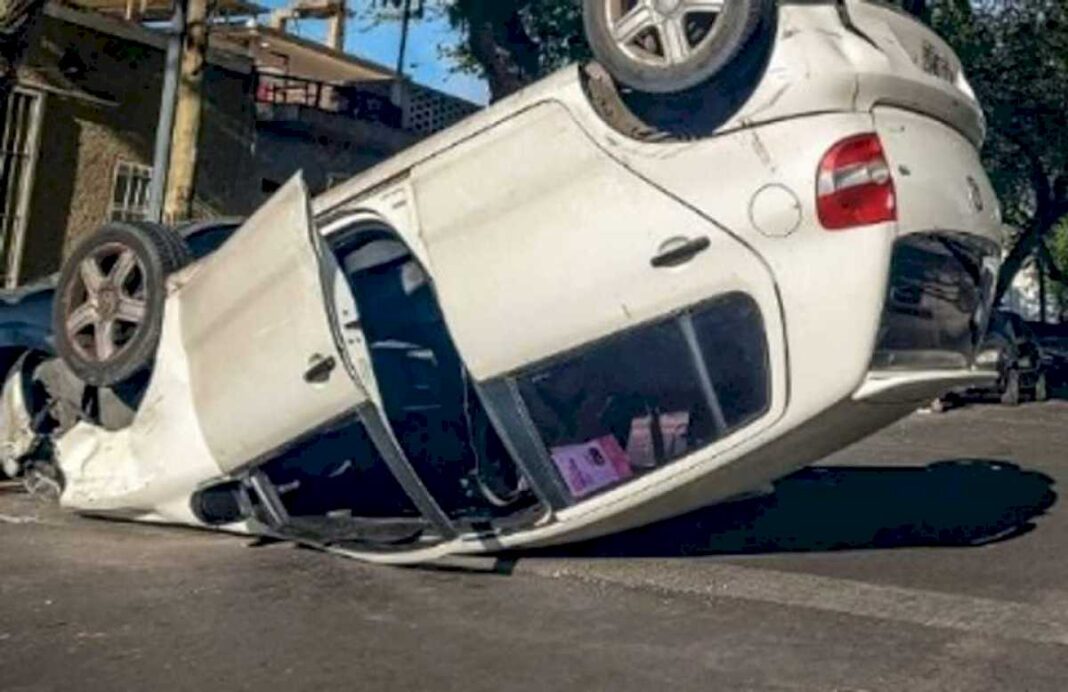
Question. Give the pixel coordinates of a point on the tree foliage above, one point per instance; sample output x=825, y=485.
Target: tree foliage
x=1015, y=53
x=1057, y=245
x=510, y=43
x=514, y=42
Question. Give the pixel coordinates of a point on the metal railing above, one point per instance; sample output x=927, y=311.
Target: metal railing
x=358, y=101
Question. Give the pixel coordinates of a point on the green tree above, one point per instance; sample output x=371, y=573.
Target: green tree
x=514, y=42
x=1057, y=245
x=1015, y=53
x=510, y=43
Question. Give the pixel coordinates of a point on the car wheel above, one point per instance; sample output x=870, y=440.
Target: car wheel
x=1010, y=394
x=108, y=312
x=1041, y=388
x=670, y=46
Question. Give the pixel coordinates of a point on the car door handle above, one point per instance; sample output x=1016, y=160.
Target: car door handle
x=679, y=251
x=320, y=369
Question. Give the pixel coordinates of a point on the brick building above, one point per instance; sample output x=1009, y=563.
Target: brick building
x=80, y=135
x=329, y=113
x=78, y=140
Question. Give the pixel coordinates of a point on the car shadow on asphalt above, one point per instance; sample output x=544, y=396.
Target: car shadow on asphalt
x=969, y=502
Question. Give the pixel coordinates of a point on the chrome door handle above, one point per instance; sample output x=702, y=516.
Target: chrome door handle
x=319, y=369
x=679, y=251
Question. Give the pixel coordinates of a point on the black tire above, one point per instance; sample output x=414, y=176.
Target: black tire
x=180, y=254
x=129, y=346
x=738, y=29
x=1010, y=393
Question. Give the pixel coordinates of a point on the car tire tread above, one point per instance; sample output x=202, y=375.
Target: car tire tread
x=161, y=252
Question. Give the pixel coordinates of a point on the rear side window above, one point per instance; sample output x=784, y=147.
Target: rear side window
x=638, y=401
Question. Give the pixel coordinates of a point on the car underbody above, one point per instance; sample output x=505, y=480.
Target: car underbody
x=545, y=324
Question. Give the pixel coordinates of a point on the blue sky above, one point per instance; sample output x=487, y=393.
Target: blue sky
x=381, y=43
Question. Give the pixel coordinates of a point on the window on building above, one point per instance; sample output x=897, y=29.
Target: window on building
x=18, y=146
x=130, y=191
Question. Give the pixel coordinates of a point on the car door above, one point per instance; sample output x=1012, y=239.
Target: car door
x=272, y=335
x=541, y=242
x=632, y=327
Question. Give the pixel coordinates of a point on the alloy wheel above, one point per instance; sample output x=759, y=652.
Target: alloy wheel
x=662, y=32
x=106, y=303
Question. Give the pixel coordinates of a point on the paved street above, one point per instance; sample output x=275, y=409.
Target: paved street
x=930, y=557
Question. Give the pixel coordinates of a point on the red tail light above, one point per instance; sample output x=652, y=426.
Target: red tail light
x=854, y=187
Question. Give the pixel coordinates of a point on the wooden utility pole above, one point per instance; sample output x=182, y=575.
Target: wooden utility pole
x=178, y=203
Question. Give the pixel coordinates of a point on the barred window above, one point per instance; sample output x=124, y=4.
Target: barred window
x=130, y=191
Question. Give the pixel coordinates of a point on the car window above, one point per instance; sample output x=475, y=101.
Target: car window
x=635, y=402
x=339, y=474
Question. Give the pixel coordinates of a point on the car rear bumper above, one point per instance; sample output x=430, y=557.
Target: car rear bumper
x=938, y=302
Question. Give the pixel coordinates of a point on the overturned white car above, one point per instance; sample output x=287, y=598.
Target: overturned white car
x=599, y=303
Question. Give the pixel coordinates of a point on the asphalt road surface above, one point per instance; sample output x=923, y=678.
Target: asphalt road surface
x=930, y=557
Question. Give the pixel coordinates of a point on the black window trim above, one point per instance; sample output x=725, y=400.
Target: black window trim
x=540, y=464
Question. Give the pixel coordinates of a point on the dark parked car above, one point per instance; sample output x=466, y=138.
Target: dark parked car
x=26, y=330
x=1023, y=365
x=1052, y=340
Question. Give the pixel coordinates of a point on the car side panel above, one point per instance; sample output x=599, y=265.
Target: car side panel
x=919, y=70
x=540, y=243
x=761, y=184
x=148, y=471
x=938, y=177
x=255, y=322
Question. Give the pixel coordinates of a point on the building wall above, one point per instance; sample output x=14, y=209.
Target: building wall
x=101, y=79
x=281, y=155
x=327, y=147
x=282, y=53
x=102, y=97
x=225, y=184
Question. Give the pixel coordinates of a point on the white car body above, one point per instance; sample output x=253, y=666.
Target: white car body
x=536, y=222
